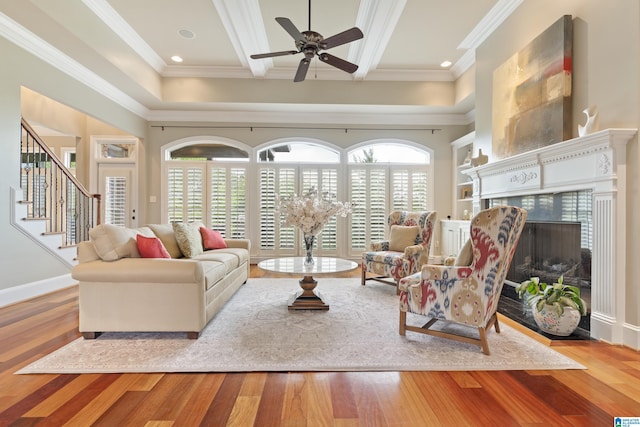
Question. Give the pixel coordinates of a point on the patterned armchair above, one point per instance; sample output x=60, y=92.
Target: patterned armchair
x=466, y=293
x=405, y=251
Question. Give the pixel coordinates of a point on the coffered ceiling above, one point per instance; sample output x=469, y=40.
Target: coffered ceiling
x=124, y=49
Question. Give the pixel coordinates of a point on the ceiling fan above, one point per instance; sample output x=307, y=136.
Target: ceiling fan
x=311, y=44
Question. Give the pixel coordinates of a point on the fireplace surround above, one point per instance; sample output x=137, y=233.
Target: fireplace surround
x=596, y=163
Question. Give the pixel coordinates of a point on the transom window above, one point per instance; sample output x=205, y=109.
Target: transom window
x=298, y=152
x=389, y=153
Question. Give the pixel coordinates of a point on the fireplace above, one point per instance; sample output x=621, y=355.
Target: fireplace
x=549, y=250
x=593, y=165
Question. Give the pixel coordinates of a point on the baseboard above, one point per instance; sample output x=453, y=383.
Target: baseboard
x=631, y=336
x=34, y=289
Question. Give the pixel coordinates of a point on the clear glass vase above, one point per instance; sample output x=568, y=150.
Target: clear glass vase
x=309, y=239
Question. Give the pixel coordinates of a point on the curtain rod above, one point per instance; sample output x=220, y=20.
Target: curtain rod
x=251, y=128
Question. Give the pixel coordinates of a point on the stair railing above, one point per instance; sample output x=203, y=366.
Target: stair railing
x=53, y=194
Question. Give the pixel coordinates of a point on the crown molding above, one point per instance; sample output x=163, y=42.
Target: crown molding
x=25, y=39
x=122, y=29
x=489, y=23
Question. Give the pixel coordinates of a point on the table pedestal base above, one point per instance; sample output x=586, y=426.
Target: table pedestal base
x=308, y=298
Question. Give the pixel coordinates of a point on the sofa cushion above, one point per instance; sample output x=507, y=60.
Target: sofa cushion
x=188, y=238
x=151, y=247
x=212, y=239
x=164, y=232
x=113, y=242
x=214, y=271
x=402, y=236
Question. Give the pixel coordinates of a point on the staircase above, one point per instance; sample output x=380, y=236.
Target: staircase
x=51, y=207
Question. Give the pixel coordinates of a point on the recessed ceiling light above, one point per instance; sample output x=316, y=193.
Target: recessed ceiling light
x=187, y=34
x=176, y=58
x=445, y=64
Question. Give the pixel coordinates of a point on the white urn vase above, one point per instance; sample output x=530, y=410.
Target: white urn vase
x=551, y=322
x=590, y=124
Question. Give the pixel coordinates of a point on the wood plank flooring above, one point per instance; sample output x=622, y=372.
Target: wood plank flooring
x=609, y=387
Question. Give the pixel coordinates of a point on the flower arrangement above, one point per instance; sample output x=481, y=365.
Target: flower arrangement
x=312, y=211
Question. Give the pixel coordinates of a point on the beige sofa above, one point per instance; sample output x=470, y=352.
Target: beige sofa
x=120, y=291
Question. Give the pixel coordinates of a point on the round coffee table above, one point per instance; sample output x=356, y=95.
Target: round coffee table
x=308, y=298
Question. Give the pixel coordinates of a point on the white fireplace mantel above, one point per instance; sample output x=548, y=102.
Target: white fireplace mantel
x=594, y=162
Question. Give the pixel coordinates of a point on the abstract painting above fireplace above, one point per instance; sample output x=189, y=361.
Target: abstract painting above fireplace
x=534, y=87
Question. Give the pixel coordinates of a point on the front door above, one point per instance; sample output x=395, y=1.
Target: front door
x=117, y=185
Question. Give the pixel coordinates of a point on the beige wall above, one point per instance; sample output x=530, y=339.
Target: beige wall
x=605, y=74
x=21, y=260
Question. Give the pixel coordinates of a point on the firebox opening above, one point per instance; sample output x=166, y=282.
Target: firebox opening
x=556, y=241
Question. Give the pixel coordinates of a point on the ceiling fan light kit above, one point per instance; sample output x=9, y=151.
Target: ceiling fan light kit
x=310, y=43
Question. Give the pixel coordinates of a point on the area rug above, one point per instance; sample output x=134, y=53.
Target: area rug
x=256, y=332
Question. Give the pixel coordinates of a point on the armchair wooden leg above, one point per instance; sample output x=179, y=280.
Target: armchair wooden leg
x=403, y=322
x=483, y=340
x=364, y=275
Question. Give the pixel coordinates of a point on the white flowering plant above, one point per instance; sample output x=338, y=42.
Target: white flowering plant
x=312, y=211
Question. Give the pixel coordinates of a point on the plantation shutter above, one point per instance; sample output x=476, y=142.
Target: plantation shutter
x=275, y=180
x=176, y=196
x=227, y=201
x=400, y=190
x=115, y=200
x=419, y=191
x=323, y=179
x=368, y=193
x=186, y=193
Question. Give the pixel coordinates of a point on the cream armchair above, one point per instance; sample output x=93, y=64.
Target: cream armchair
x=466, y=293
x=405, y=251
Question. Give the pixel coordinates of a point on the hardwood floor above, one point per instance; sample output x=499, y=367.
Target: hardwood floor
x=28, y=330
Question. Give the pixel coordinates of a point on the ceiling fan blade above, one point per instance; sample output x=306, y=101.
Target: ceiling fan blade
x=346, y=36
x=290, y=28
x=338, y=63
x=302, y=70
x=272, y=54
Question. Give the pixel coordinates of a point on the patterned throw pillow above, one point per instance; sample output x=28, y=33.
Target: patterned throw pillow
x=188, y=238
x=212, y=239
x=151, y=247
x=402, y=236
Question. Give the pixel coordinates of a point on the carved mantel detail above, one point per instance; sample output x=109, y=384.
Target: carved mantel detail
x=604, y=164
x=523, y=177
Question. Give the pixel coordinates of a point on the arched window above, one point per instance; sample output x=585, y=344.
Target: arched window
x=386, y=176
x=206, y=181
x=294, y=166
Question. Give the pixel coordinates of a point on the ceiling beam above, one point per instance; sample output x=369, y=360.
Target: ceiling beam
x=243, y=22
x=120, y=27
x=377, y=19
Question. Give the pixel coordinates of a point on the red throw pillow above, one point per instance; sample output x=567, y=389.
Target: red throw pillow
x=151, y=247
x=212, y=239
